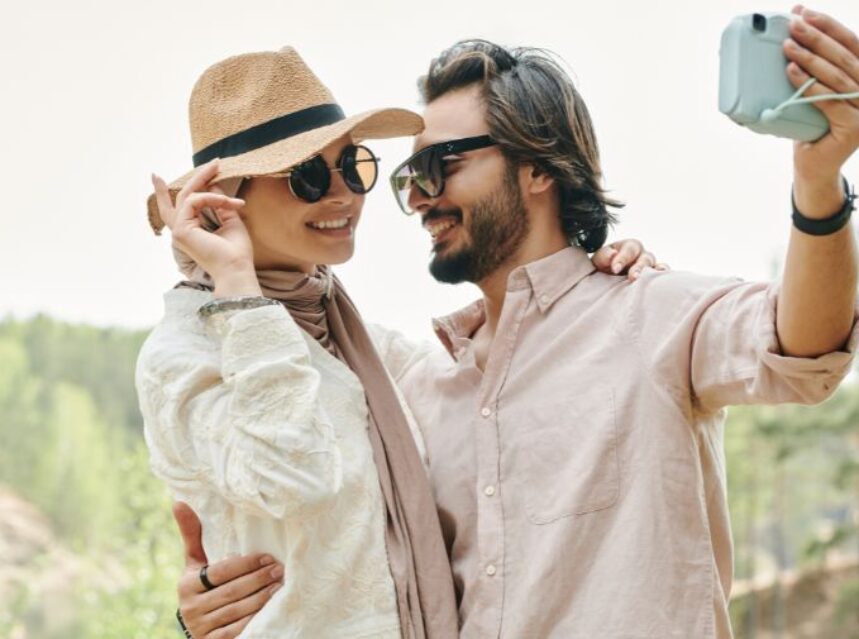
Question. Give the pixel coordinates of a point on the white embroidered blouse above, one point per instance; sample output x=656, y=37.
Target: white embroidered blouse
x=264, y=434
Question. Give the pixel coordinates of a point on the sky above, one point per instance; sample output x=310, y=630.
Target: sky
x=95, y=99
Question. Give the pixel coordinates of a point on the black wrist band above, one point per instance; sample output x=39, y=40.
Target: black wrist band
x=830, y=224
x=182, y=624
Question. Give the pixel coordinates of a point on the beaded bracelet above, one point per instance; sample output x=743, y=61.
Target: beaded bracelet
x=182, y=624
x=223, y=304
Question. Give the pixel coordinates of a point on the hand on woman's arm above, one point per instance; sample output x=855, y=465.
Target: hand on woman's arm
x=243, y=585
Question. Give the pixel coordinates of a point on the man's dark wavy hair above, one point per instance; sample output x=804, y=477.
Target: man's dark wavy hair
x=538, y=117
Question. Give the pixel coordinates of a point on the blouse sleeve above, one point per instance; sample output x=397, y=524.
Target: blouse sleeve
x=241, y=416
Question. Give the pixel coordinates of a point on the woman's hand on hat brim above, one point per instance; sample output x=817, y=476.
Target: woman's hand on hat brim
x=227, y=251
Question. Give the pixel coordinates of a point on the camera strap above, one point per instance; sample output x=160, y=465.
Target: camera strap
x=768, y=115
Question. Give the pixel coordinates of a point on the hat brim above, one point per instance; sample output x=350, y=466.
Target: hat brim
x=282, y=155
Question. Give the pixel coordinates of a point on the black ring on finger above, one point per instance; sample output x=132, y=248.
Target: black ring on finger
x=204, y=578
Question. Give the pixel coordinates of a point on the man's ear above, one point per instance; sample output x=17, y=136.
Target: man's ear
x=535, y=179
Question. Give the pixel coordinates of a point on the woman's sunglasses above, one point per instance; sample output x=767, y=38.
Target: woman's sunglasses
x=310, y=180
x=425, y=169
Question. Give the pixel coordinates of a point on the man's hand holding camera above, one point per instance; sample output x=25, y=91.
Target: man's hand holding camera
x=823, y=48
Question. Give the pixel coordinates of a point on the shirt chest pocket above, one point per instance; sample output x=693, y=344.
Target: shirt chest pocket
x=568, y=457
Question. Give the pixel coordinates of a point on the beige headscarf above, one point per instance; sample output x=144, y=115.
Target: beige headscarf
x=416, y=552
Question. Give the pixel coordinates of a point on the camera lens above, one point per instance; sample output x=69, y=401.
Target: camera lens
x=759, y=22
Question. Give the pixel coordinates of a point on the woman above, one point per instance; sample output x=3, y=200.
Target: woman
x=267, y=407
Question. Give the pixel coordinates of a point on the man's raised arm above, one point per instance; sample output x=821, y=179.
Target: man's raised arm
x=818, y=295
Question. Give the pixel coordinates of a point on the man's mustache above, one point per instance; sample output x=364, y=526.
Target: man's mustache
x=437, y=214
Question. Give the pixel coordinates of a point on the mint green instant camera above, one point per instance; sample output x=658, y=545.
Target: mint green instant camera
x=753, y=83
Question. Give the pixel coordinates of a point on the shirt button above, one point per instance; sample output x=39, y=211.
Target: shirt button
x=544, y=299
x=489, y=491
x=490, y=570
x=485, y=411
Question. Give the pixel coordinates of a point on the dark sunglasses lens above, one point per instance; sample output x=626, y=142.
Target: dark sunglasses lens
x=402, y=181
x=310, y=180
x=424, y=171
x=359, y=168
x=427, y=170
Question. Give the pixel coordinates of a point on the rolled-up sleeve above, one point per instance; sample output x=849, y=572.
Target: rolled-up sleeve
x=717, y=341
x=242, y=416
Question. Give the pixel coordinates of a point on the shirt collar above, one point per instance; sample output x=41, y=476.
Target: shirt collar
x=549, y=278
x=552, y=276
x=455, y=330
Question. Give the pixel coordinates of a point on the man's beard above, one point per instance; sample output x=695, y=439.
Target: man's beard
x=497, y=228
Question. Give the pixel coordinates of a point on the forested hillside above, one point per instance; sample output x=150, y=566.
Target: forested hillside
x=87, y=544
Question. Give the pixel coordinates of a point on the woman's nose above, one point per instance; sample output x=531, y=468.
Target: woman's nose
x=338, y=192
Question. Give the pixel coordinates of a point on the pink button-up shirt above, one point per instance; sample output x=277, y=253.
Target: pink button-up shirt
x=580, y=478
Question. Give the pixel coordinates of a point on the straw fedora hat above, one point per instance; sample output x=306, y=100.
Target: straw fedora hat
x=262, y=113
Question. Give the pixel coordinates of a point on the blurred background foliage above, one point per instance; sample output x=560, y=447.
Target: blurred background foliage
x=88, y=547
x=87, y=543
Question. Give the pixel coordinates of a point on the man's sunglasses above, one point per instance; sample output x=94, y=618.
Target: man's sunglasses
x=425, y=169
x=310, y=180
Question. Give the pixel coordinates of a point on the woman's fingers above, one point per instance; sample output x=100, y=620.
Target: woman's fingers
x=645, y=260
x=625, y=256
x=188, y=200
x=195, y=204
x=602, y=258
x=188, y=212
x=627, y=252
x=165, y=204
x=198, y=181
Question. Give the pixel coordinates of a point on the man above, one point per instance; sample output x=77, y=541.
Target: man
x=574, y=425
